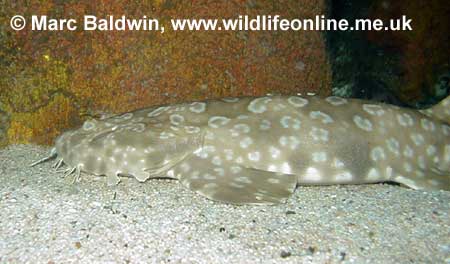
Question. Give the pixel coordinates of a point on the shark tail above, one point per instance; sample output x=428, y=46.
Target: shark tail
x=441, y=111
x=437, y=177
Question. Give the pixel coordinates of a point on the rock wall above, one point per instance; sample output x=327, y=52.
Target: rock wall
x=52, y=81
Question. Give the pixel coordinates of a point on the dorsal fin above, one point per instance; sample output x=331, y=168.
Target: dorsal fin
x=441, y=111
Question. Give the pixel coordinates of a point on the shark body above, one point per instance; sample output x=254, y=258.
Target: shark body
x=254, y=150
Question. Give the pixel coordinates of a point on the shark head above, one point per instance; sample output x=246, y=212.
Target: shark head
x=131, y=144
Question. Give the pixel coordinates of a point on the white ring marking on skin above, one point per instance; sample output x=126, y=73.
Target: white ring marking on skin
x=286, y=168
x=138, y=127
x=407, y=167
x=362, y=123
x=338, y=163
x=208, y=176
x=373, y=109
x=197, y=107
x=191, y=129
x=241, y=117
x=217, y=121
x=166, y=135
x=334, y=100
x=421, y=162
x=427, y=124
x=312, y=175
x=243, y=179
x=291, y=141
x=88, y=125
x=446, y=129
x=319, y=134
x=201, y=153
x=408, y=152
x=381, y=128
x=289, y=122
x=389, y=172
x=238, y=129
x=377, y=154
x=274, y=152
x=319, y=156
x=216, y=160
x=246, y=142
x=265, y=124
x=244, y=128
x=259, y=105
x=228, y=154
x=436, y=160
x=405, y=120
x=298, y=101
x=418, y=139
x=431, y=150
x=254, y=156
x=393, y=146
x=176, y=119
x=210, y=135
x=325, y=118
x=373, y=174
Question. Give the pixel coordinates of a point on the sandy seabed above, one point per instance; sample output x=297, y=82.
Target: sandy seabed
x=44, y=218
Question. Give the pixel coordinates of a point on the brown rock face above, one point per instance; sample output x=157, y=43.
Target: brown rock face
x=53, y=80
x=423, y=53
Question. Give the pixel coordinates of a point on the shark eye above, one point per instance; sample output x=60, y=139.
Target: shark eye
x=88, y=125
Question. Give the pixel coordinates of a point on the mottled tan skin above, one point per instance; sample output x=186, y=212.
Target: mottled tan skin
x=256, y=150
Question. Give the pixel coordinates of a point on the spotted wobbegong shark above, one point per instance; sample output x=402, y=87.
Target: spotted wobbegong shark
x=256, y=150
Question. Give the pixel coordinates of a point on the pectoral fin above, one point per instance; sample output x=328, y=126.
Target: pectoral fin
x=232, y=183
